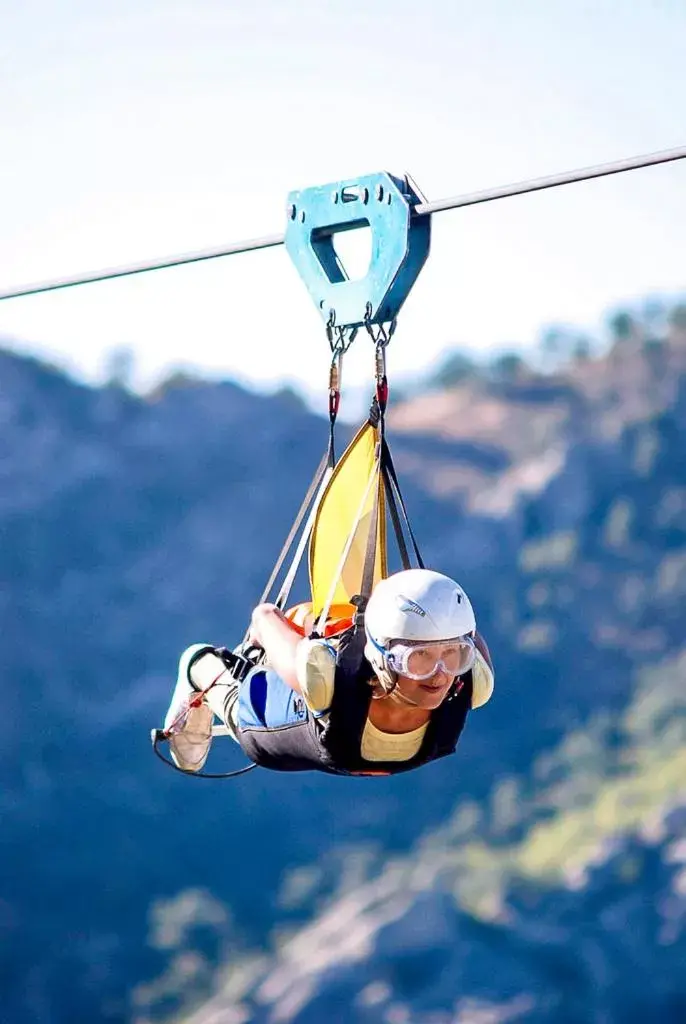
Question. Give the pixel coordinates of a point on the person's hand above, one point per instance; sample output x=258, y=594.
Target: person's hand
x=255, y=638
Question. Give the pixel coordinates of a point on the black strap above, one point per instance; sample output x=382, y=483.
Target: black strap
x=331, y=453
x=395, y=518
x=398, y=512
x=388, y=470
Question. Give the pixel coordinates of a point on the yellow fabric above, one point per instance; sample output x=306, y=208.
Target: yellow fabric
x=387, y=746
x=348, y=497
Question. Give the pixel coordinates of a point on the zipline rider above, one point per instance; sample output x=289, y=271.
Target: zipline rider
x=390, y=694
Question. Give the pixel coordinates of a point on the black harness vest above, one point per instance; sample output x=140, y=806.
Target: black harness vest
x=334, y=745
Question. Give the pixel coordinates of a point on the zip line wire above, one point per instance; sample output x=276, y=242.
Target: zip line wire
x=422, y=209
x=537, y=184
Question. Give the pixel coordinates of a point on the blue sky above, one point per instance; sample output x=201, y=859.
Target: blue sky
x=140, y=129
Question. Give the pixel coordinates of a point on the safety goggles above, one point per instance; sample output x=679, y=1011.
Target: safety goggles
x=421, y=661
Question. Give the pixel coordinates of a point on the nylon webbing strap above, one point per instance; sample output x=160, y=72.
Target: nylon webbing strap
x=316, y=482
x=287, y=584
x=395, y=518
x=391, y=480
x=328, y=462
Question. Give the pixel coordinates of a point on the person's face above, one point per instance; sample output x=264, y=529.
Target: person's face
x=426, y=693
x=426, y=670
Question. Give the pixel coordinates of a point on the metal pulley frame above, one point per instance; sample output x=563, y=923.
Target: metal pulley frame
x=400, y=246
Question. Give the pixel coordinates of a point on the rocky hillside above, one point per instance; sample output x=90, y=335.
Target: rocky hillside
x=561, y=898
x=131, y=527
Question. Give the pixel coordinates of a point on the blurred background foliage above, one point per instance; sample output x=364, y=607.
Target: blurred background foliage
x=537, y=875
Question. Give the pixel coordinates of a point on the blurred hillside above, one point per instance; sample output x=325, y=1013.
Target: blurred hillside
x=537, y=875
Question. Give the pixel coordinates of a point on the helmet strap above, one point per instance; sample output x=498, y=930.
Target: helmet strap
x=385, y=680
x=388, y=681
x=397, y=695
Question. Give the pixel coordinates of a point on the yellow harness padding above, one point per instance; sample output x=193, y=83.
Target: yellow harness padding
x=343, y=521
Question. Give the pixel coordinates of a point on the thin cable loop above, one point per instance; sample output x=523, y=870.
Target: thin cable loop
x=158, y=737
x=438, y=206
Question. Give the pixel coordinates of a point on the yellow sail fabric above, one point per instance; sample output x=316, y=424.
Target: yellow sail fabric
x=341, y=528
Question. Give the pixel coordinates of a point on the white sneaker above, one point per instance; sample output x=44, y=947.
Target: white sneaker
x=191, y=727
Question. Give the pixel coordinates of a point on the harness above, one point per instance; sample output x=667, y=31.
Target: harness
x=334, y=744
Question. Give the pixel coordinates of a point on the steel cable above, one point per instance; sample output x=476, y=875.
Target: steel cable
x=438, y=206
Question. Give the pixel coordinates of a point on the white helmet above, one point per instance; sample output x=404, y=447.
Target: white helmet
x=415, y=605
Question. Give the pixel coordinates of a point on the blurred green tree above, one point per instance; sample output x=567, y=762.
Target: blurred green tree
x=120, y=367
x=455, y=368
x=623, y=326
x=677, y=316
x=509, y=366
